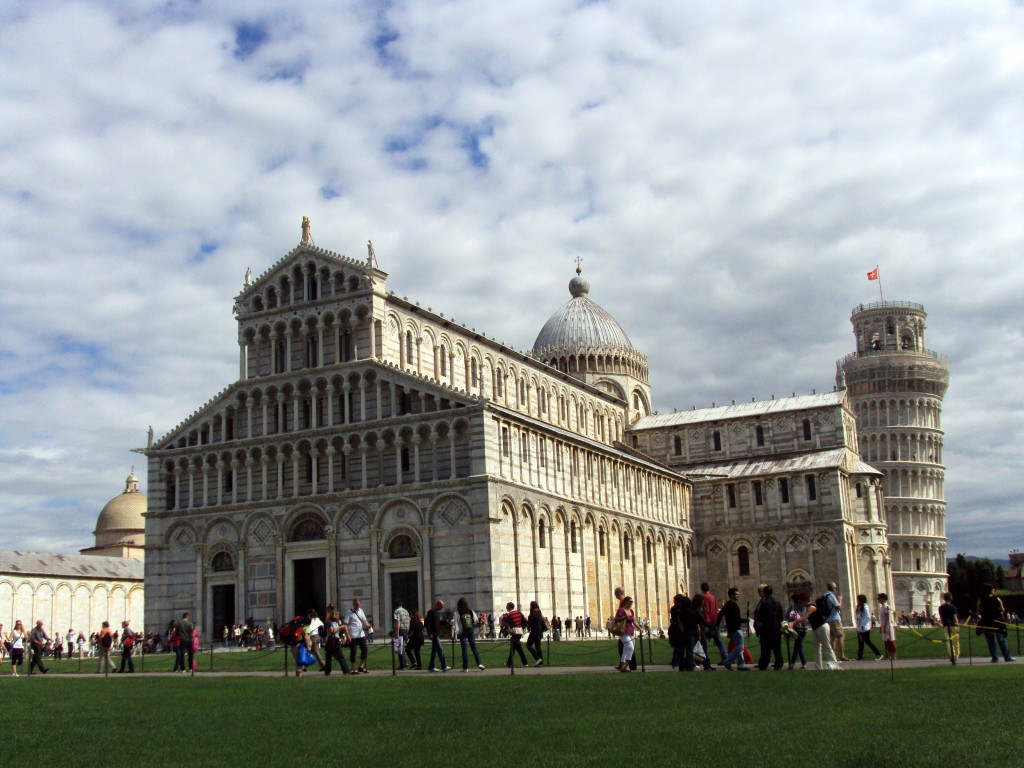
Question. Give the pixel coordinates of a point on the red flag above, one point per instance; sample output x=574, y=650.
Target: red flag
x=873, y=274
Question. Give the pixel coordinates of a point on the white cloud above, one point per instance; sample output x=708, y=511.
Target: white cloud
x=729, y=173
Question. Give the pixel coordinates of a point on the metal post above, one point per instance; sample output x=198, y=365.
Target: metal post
x=970, y=638
x=650, y=648
x=643, y=667
x=511, y=658
x=285, y=649
x=393, y=672
x=547, y=661
x=211, y=657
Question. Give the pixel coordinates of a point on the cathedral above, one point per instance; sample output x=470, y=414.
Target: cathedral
x=374, y=448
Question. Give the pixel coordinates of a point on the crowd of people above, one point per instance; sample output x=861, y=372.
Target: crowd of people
x=813, y=625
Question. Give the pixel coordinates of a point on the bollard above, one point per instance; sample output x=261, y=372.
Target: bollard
x=643, y=667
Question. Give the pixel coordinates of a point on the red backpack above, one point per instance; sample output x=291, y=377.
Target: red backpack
x=290, y=633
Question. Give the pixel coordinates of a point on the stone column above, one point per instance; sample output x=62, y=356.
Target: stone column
x=197, y=616
x=331, y=453
x=241, y=603
x=416, y=459
x=320, y=344
x=295, y=474
x=288, y=350
x=220, y=482
x=263, y=403
x=241, y=360
x=332, y=565
x=451, y=452
x=206, y=484
x=191, y=488
x=280, y=477
x=330, y=405
x=264, y=460
x=234, y=481
x=362, y=399
x=362, y=461
x=249, y=463
x=372, y=325
x=314, y=475
x=398, y=462
x=426, y=536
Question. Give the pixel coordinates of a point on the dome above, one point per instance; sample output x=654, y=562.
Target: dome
x=123, y=512
x=581, y=323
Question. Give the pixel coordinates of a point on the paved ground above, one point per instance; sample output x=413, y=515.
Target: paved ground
x=560, y=670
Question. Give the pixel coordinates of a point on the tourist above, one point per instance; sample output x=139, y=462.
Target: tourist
x=799, y=627
x=620, y=596
x=58, y=645
x=302, y=643
x=625, y=619
x=682, y=633
x=415, y=640
x=80, y=642
x=400, y=617
x=556, y=629
x=992, y=622
x=887, y=624
x=104, y=642
x=357, y=625
x=490, y=625
x=17, y=640
x=824, y=656
x=730, y=613
x=466, y=623
x=711, y=617
x=768, y=621
x=268, y=634
x=38, y=639
x=862, y=618
x=586, y=626
x=336, y=634
x=950, y=620
x=835, y=621
x=315, y=636
x=433, y=627
x=535, y=624
x=702, y=633
x=516, y=624
x=186, y=647
x=69, y=641
x=568, y=627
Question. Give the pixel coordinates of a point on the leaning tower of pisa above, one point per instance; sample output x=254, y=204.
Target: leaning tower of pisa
x=896, y=387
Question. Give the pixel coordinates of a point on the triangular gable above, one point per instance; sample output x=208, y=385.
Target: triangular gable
x=301, y=254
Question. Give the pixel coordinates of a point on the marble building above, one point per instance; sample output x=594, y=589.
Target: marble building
x=103, y=583
x=374, y=448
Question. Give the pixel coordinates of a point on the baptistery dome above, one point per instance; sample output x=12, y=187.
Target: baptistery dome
x=581, y=323
x=121, y=528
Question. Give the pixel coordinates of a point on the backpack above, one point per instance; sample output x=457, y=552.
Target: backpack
x=289, y=633
x=821, y=612
x=107, y=640
x=129, y=640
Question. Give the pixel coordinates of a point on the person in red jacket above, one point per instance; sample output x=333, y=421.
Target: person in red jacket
x=516, y=623
x=711, y=618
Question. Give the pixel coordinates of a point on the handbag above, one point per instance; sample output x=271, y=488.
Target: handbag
x=305, y=658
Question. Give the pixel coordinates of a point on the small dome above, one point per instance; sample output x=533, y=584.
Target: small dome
x=123, y=512
x=581, y=323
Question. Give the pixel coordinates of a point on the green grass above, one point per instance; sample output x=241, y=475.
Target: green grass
x=583, y=653
x=786, y=719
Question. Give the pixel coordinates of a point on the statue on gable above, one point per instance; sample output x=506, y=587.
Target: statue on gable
x=306, y=236
x=371, y=257
x=248, y=277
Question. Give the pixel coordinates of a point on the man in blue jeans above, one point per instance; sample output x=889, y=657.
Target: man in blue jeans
x=432, y=623
x=734, y=628
x=710, y=611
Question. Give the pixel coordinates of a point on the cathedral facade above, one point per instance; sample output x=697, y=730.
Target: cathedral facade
x=374, y=448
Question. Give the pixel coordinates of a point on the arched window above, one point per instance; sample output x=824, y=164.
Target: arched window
x=625, y=547
x=402, y=546
x=474, y=373
x=743, y=559
x=812, y=490
x=311, y=352
x=759, y=433
x=677, y=444
x=410, y=359
x=443, y=355
x=499, y=383
x=716, y=440
x=572, y=536
x=542, y=536
x=807, y=429
x=307, y=529
x=223, y=561
x=650, y=551
x=601, y=542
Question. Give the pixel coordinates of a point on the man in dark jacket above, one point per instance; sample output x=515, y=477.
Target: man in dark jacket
x=733, y=619
x=39, y=639
x=432, y=623
x=768, y=622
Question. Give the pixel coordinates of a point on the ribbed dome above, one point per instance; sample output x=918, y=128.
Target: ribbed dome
x=123, y=512
x=582, y=323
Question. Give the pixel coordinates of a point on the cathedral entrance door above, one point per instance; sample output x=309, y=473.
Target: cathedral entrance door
x=405, y=586
x=309, y=585
x=223, y=605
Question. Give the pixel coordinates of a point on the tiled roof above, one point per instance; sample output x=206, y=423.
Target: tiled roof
x=70, y=566
x=740, y=410
x=836, y=458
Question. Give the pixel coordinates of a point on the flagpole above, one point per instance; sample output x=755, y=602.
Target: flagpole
x=880, y=297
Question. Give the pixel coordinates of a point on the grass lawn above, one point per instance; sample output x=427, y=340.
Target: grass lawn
x=756, y=719
x=582, y=653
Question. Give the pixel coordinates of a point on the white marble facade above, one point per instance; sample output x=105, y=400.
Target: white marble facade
x=374, y=448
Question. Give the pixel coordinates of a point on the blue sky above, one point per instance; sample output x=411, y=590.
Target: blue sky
x=728, y=173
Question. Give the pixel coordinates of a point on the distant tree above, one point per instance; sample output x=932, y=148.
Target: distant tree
x=1000, y=581
x=967, y=576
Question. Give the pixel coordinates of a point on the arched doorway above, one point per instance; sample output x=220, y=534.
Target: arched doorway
x=402, y=561
x=306, y=565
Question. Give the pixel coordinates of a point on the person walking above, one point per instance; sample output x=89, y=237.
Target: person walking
x=625, y=620
x=38, y=640
x=17, y=640
x=620, y=596
x=703, y=629
x=949, y=616
x=835, y=621
x=104, y=643
x=768, y=621
x=400, y=617
x=815, y=616
x=862, y=618
x=186, y=647
x=128, y=638
x=415, y=640
x=516, y=624
x=434, y=632
x=711, y=618
x=316, y=636
x=887, y=621
x=58, y=645
x=682, y=632
x=993, y=622
x=799, y=627
x=535, y=625
x=336, y=636
x=730, y=613
x=357, y=625
x=466, y=621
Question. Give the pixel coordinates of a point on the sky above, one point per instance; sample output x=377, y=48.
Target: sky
x=728, y=173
